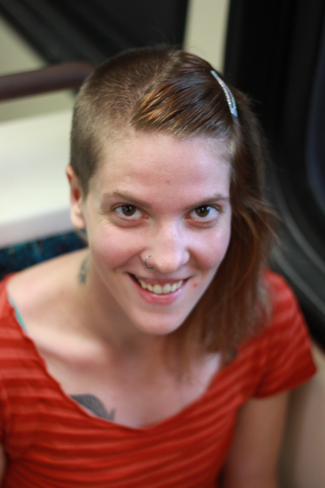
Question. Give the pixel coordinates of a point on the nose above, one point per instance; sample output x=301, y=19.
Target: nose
x=167, y=248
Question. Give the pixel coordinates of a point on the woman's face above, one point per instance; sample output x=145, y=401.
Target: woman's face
x=158, y=196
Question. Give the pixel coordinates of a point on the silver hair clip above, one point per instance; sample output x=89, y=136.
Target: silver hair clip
x=229, y=96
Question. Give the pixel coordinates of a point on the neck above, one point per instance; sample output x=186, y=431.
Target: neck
x=105, y=319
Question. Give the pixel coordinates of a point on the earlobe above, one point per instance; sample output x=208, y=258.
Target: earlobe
x=76, y=199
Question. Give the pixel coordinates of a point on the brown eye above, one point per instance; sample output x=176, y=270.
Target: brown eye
x=203, y=211
x=128, y=210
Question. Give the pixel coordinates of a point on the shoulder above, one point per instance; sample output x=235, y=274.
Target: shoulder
x=5, y=308
x=14, y=349
x=279, y=290
x=3, y=295
x=42, y=284
x=284, y=307
x=283, y=346
x=48, y=306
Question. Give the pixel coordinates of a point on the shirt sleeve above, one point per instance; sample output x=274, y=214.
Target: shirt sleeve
x=287, y=359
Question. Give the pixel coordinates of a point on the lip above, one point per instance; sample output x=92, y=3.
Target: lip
x=159, y=287
x=158, y=280
x=158, y=299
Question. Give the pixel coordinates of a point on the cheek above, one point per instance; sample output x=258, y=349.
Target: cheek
x=105, y=253
x=112, y=248
x=215, y=248
x=212, y=256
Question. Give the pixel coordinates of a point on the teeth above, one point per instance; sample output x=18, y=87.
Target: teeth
x=166, y=288
x=158, y=289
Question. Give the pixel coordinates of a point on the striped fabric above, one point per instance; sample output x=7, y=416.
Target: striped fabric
x=51, y=442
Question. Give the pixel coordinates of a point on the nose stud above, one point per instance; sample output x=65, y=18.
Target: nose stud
x=145, y=263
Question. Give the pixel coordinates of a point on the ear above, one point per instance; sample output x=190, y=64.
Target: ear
x=76, y=199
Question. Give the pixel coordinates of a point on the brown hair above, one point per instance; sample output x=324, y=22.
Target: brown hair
x=171, y=91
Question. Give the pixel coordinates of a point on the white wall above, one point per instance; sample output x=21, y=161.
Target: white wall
x=16, y=56
x=34, y=150
x=206, y=30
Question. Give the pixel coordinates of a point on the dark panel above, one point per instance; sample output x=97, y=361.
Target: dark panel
x=275, y=53
x=70, y=30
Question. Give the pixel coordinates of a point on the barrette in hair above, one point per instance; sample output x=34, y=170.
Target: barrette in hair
x=229, y=96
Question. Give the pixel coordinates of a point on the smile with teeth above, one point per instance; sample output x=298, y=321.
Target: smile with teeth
x=160, y=289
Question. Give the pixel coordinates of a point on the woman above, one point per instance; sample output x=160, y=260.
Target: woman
x=161, y=355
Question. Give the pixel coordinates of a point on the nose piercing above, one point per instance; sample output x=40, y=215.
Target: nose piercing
x=145, y=263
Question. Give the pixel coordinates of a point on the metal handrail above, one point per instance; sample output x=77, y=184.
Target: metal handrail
x=52, y=78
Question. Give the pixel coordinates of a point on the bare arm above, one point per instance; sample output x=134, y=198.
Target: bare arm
x=2, y=464
x=253, y=458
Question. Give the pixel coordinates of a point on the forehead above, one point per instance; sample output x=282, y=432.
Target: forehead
x=145, y=159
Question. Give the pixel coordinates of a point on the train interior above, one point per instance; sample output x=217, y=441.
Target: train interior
x=273, y=51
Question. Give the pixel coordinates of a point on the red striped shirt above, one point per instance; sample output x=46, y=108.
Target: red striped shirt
x=51, y=442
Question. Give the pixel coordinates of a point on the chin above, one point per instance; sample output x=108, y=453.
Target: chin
x=159, y=327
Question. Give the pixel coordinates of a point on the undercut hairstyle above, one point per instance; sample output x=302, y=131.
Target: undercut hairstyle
x=162, y=90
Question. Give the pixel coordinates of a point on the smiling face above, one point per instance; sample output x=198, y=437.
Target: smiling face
x=158, y=196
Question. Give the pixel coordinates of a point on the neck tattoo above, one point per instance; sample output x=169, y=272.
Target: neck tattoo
x=83, y=271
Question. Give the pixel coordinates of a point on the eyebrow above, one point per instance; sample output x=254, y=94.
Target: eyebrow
x=126, y=196
x=141, y=203
x=208, y=201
